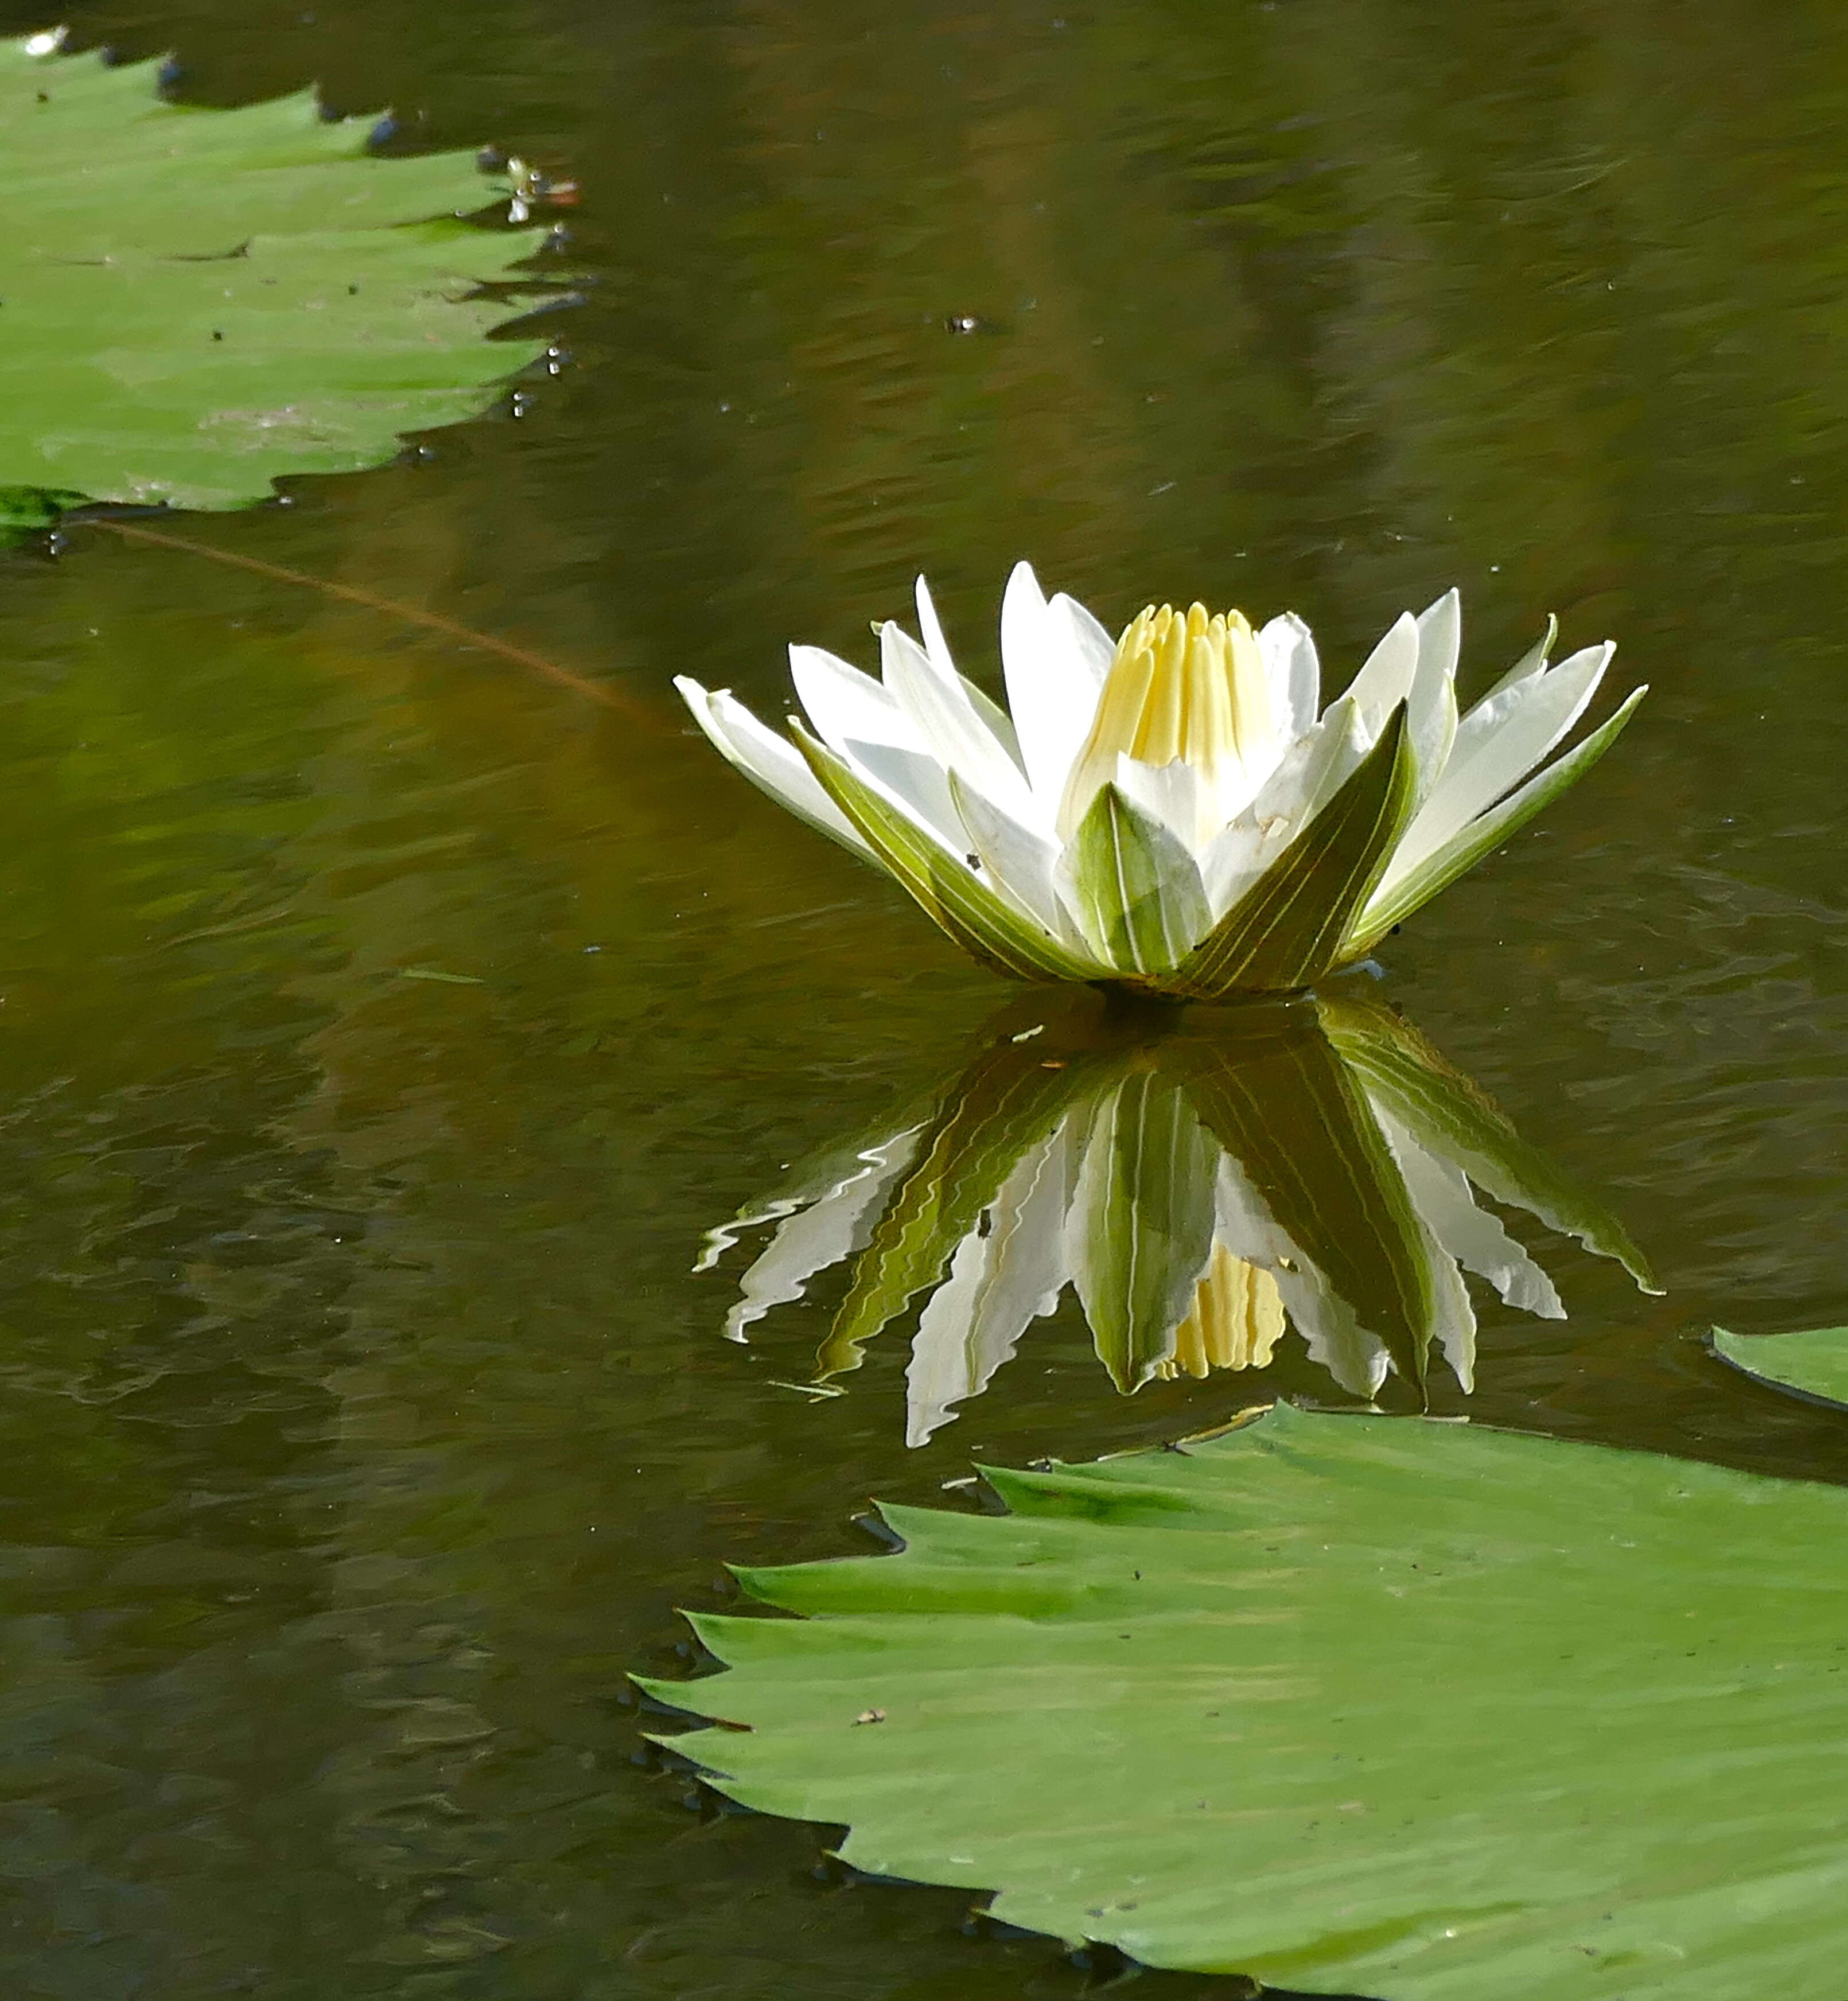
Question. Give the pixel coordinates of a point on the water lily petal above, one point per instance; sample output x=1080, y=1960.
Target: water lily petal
x=1531, y=662
x=1431, y=708
x=931, y=627
x=1018, y=861
x=1388, y=907
x=943, y=715
x=1051, y=687
x=1172, y=793
x=993, y=717
x=842, y=702
x=1385, y=678
x=1313, y=770
x=768, y=760
x=1518, y=728
x=1093, y=646
x=914, y=782
x=1288, y=648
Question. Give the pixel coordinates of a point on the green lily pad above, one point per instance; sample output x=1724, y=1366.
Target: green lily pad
x=194, y=303
x=1814, y=1363
x=1352, y=1704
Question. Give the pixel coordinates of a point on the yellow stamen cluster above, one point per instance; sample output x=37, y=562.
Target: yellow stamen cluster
x=1189, y=686
x=1237, y=1320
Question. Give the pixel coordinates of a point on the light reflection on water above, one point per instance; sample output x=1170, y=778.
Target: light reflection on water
x=362, y=1422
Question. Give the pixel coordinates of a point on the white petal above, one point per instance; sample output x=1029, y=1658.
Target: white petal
x=945, y=718
x=1385, y=680
x=1333, y=1335
x=842, y=702
x=1431, y=715
x=1332, y=1332
x=768, y=760
x=931, y=627
x=1313, y=770
x=1293, y=672
x=1096, y=650
x=994, y=718
x=1052, y=683
x=1174, y=794
x=830, y=1229
x=1440, y=635
x=1453, y=1314
x=1018, y=861
x=1496, y=745
x=914, y=782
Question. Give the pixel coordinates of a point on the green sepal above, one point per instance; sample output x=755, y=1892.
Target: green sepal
x=1483, y=835
x=948, y=892
x=1140, y=898
x=1287, y=929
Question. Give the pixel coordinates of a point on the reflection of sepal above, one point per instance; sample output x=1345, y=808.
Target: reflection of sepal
x=1140, y=1231
x=1306, y=1162
x=1452, y=1117
x=1003, y=1105
x=1293, y=1116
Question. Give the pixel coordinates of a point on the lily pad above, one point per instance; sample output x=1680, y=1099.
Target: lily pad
x=1814, y=1363
x=194, y=303
x=1351, y=1704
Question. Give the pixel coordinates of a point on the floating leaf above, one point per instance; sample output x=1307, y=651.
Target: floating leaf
x=1814, y=1363
x=1353, y=1705
x=194, y=303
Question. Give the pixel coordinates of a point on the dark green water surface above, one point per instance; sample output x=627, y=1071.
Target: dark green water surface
x=361, y=1419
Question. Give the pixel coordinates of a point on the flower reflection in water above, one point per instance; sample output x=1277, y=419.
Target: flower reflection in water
x=1202, y=1187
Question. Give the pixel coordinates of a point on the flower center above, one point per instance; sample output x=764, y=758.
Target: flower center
x=1190, y=687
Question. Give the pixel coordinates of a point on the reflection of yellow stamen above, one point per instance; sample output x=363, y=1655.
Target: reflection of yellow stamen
x=1237, y=1320
x=1189, y=686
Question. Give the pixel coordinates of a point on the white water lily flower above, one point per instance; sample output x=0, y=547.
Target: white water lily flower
x=1174, y=811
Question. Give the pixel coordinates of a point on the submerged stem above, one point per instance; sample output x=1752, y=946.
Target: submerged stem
x=433, y=622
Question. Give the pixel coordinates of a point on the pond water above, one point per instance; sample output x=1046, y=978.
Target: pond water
x=383, y=1028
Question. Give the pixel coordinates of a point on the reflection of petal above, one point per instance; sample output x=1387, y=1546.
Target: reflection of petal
x=1332, y=1332
x=1440, y=1192
x=1000, y=1282
x=1329, y=1327
x=829, y=1229
x=1453, y=1315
